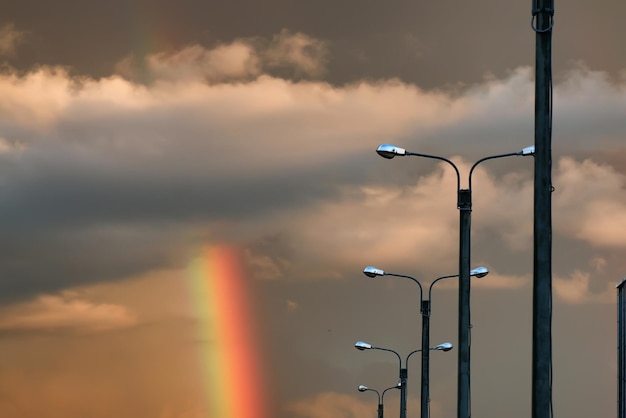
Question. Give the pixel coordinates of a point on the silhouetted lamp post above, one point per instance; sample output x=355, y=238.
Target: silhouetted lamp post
x=425, y=307
x=464, y=204
x=360, y=345
x=381, y=397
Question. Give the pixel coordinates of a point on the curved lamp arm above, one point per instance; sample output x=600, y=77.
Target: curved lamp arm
x=441, y=347
x=373, y=272
x=382, y=397
x=478, y=272
x=430, y=288
x=361, y=345
x=363, y=388
x=526, y=151
x=389, y=151
x=406, y=363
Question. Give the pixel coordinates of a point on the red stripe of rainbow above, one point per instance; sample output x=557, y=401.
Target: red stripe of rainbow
x=231, y=360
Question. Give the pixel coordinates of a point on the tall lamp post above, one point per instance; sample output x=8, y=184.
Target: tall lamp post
x=360, y=345
x=381, y=397
x=425, y=311
x=464, y=204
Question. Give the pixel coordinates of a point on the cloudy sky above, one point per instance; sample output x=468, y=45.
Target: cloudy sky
x=155, y=152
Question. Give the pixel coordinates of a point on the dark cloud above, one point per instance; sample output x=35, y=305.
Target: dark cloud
x=443, y=43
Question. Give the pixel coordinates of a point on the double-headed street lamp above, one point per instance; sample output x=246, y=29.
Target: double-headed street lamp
x=425, y=311
x=381, y=397
x=360, y=345
x=464, y=204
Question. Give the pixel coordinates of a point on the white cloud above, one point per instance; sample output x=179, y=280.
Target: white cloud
x=234, y=61
x=264, y=267
x=8, y=147
x=500, y=281
x=305, y=54
x=292, y=305
x=35, y=101
x=193, y=131
x=373, y=224
x=589, y=202
x=240, y=60
x=65, y=312
x=576, y=289
x=333, y=404
x=330, y=405
x=10, y=38
x=598, y=263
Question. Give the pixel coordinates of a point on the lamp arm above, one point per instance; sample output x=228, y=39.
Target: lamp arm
x=391, y=351
x=492, y=157
x=436, y=157
x=430, y=288
x=410, y=278
x=406, y=363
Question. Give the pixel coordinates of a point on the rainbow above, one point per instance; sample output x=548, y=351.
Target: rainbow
x=230, y=354
x=152, y=30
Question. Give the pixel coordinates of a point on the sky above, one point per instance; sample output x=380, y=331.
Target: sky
x=189, y=192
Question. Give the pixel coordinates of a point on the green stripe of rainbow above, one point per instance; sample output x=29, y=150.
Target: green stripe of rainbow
x=230, y=355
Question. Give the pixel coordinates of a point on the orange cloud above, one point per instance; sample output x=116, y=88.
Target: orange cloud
x=306, y=54
x=10, y=38
x=576, y=289
x=331, y=405
x=237, y=60
x=67, y=312
x=590, y=203
x=64, y=364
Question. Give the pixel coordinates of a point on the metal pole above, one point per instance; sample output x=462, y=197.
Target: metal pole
x=425, y=358
x=621, y=353
x=382, y=400
x=464, y=204
x=403, y=380
x=463, y=396
x=542, y=271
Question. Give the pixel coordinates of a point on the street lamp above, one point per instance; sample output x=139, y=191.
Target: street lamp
x=360, y=345
x=381, y=397
x=425, y=306
x=464, y=204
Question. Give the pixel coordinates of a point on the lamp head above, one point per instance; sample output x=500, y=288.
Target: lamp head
x=389, y=151
x=362, y=388
x=529, y=150
x=444, y=347
x=373, y=271
x=479, y=272
x=360, y=345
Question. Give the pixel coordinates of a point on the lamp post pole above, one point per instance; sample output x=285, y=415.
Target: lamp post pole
x=543, y=15
x=464, y=204
x=425, y=305
x=404, y=374
x=360, y=345
x=381, y=397
x=425, y=396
